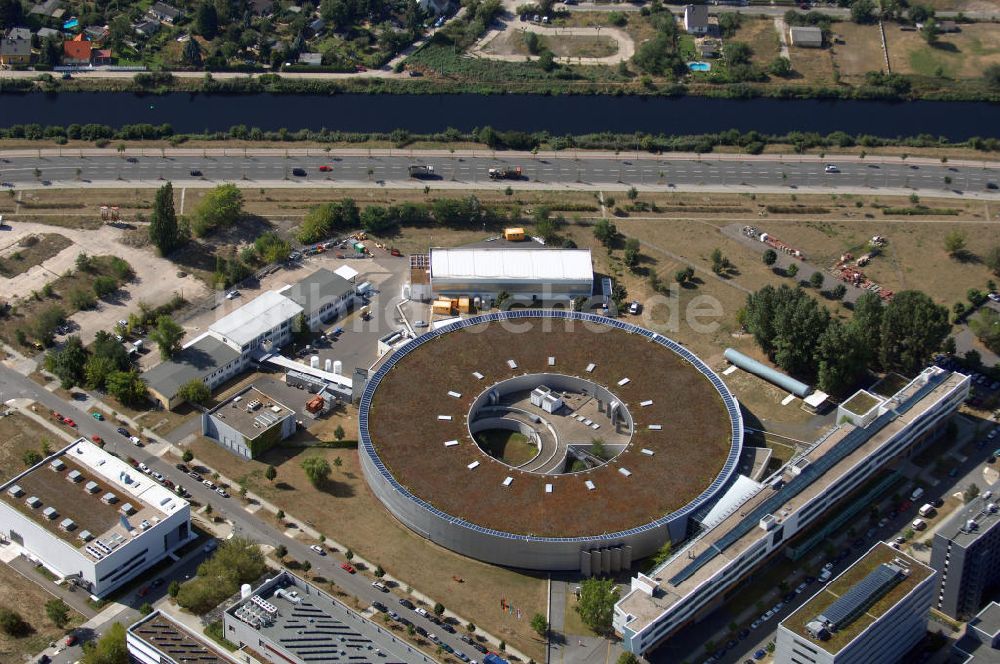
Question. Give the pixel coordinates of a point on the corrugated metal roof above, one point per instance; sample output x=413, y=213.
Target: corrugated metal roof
x=258, y=316
x=494, y=264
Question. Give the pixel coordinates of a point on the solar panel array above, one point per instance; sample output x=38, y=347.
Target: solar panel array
x=313, y=635
x=176, y=644
x=862, y=595
x=809, y=474
x=732, y=408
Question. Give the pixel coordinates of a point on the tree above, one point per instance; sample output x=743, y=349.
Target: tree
x=913, y=327
x=780, y=66
x=206, y=21
x=770, y=257
x=954, y=243
x=109, y=649
x=863, y=11
x=540, y=625
x=11, y=14
x=971, y=492
x=31, y=457
x=930, y=31
x=12, y=623
x=631, y=257
x=838, y=292
x=792, y=270
x=57, y=611
x=68, y=363
x=317, y=469
x=271, y=473
x=606, y=232
x=127, y=387
x=105, y=286
x=817, y=280
x=841, y=358
x=188, y=456
x=192, y=53
x=597, y=603
x=174, y=588
x=306, y=565
x=163, y=230
x=195, y=391
x=167, y=336
x=627, y=658
x=684, y=275
x=532, y=42
x=219, y=207
x=986, y=326
x=992, y=259
x=546, y=60
x=787, y=325
x=868, y=311
x=280, y=515
x=97, y=369
x=338, y=433
x=379, y=572
x=438, y=608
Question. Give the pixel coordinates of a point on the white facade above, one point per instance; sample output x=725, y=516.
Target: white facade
x=111, y=558
x=266, y=318
x=696, y=19
x=528, y=273
x=645, y=621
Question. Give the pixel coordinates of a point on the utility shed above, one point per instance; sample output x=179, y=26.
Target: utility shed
x=806, y=37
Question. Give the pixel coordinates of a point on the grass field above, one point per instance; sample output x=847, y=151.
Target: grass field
x=860, y=53
x=759, y=34
x=345, y=510
x=811, y=66
x=19, y=434
x=509, y=446
x=961, y=55
x=28, y=599
x=29, y=252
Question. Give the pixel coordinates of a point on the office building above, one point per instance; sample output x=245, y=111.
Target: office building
x=981, y=642
x=966, y=553
x=249, y=423
x=874, y=611
x=91, y=518
x=159, y=639
x=324, y=296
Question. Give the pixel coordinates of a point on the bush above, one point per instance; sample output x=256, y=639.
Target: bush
x=13, y=624
x=82, y=300
x=236, y=561
x=105, y=286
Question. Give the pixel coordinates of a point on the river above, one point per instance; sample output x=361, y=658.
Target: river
x=189, y=113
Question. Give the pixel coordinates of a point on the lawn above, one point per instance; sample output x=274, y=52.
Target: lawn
x=861, y=51
x=28, y=599
x=31, y=251
x=19, y=434
x=346, y=511
x=759, y=34
x=961, y=55
x=510, y=446
x=811, y=66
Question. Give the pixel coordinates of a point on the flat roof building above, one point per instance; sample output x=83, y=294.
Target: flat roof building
x=981, y=642
x=262, y=319
x=159, y=639
x=289, y=621
x=88, y=516
x=874, y=611
x=966, y=551
x=249, y=423
x=206, y=359
x=524, y=273
x=323, y=296
x=692, y=582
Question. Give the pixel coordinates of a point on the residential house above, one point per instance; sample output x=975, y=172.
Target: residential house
x=101, y=56
x=96, y=33
x=77, y=51
x=435, y=7
x=15, y=47
x=147, y=27
x=806, y=37
x=45, y=33
x=316, y=26
x=262, y=7
x=51, y=8
x=696, y=19
x=164, y=13
x=311, y=59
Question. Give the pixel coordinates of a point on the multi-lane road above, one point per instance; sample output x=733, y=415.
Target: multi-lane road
x=261, y=529
x=469, y=169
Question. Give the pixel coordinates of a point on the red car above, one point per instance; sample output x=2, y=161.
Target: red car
x=70, y=640
x=324, y=168
x=97, y=440
x=68, y=422
x=347, y=567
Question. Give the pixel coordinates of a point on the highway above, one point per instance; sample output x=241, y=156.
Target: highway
x=469, y=169
x=263, y=530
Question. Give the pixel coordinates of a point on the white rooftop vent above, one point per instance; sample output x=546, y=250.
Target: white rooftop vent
x=74, y=476
x=552, y=361
x=92, y=487
x=144, y=525
x=456, y=395
x=590, y=367
x=127, y=508
x=446, y=418
x=109, y=498
x=655, y=427
x=548, y=488
x=987, y=494
x=50, y=512
x=624, y=381
x=85, y=535
x=507, y=482
x=590, y=485
x=33, y=501
x=971, y=525
x=512, y=364
x=647, y=452
x=473, y=465
x=647, y=402
x=67, y=525
x=625, y=471
x=57, y=464
x=15, y=491
x=768, y=522
x=450, y=443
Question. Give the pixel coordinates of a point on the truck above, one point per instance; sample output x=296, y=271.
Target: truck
x=420, y=171
x=505, y=173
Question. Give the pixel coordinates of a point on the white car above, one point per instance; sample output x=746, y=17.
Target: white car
x=318, y=549
x=135, y=441
x=994, y=296
x=830, y=168
x=755, y=624
x=801, y=587
x=380, y=586
x=144, y=468
x=421, y=611
x=420, y=324
x=232, y=295
x=157, y=476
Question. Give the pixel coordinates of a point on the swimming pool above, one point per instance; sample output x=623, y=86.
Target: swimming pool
x=70, y=24
x=700, y=66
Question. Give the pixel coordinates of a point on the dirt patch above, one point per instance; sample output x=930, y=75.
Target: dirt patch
x=760, y=36
x=964, y=54
x=861, y=51
x=346, y=511
x=28, y=599
x=20, y=434
x=30, y=251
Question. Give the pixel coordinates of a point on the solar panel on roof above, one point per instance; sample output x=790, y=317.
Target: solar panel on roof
x=862, y=595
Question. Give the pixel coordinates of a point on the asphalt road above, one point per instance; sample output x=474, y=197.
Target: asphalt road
x=471, y=170
x=14, y=385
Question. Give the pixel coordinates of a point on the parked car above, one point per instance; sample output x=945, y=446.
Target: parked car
x=379, y=606
x=380, y=586
x=421, y=611
x=420, y=324
x=97, y=416
x=156, y=476
x=347, y=567
x=181, y=467
x=318, y=549
x=144, y=468
x=135, y=441
x=123, y=431
x=222, y=492
x=69, y=422
x=70, y=640
x=447, y=627
x=195, y=476
x=407, y=603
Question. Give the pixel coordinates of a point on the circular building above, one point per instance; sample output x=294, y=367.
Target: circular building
x=548, y=440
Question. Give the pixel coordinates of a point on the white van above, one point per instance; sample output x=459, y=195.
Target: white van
x=926, y=510
x=918, y=524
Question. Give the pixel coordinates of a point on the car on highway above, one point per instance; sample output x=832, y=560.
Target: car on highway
x=830, y=168
x=195, y=173
x=347, y=567
x=325, y=169
x=318, y=549
x=123, y=431
x=408, y=604
x=299, y=172
x=97, y=416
